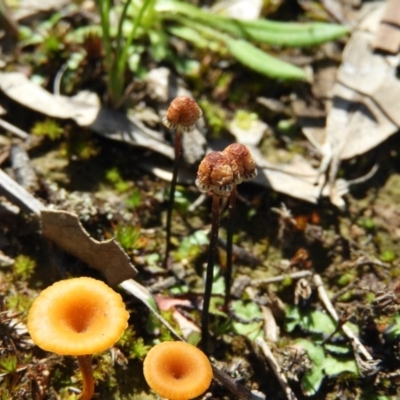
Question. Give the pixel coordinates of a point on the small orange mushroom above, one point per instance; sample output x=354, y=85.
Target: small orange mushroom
x=177, y=370
x=78, y=317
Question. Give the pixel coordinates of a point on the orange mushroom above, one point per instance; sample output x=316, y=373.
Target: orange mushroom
x=79, y=317
x=177, y=370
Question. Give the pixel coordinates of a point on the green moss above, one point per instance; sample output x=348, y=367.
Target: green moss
x=48, y=128
x=387, y=256
x=132, y=345
x=113, y=176
x=215, y=116
x=24, y=267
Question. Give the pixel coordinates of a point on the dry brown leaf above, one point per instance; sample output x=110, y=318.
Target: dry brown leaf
x=364, y=110
x=187, y=327
x=66, y=231
x=111, y=124
x=388, y=35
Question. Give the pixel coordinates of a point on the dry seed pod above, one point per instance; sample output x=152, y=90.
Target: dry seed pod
x=244, y=161
x=217, y=173
x=182, y=113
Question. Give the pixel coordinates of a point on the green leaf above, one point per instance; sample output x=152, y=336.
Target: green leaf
x=252, y=330
x=257, y=60
x=311, y=381
x=335, y=366
x=246, y=310
x=289, y=34
x=261, y=31
x=216, y=306
x=311, y=321
x=338, y=348
x=190, y=247
x=314, y=351
x=190, y=35
x=392, y=332
x=322, y=365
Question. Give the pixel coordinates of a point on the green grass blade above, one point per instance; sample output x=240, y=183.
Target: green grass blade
x=261, y=31
x=254, y=58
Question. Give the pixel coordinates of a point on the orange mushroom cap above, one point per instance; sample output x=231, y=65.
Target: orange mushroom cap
x=76, y=317
x=177, y=370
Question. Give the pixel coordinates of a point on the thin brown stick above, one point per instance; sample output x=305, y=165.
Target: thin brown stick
x=355, y=341
x=276, y=369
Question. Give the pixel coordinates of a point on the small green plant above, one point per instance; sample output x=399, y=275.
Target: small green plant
x=24, y=267
x=128, y=236
x=133, y=346
x=114, y=176
x=339, y=361
x=250, y=319
x=8, y=364
x=117, y=56
x=387, y=256
x=191, y=246
x=327, y=359
x=48, y=128
x=148, y=25
x=135, y=198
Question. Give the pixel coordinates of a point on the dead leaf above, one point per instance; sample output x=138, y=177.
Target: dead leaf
x=387, y=37
x=111, y=124
x=65, y=230
x=187, y=327
x=364, y=110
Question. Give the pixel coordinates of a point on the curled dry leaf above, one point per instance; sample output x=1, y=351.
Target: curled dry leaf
x=65, y=230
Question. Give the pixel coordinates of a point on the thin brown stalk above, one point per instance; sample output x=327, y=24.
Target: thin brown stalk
x=210, y=271
x=178, y=151
x=229, y=245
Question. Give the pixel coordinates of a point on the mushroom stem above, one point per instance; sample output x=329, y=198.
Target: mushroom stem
x=85, y=365
x=229, y=245
x=178, y=151
x=210, y=271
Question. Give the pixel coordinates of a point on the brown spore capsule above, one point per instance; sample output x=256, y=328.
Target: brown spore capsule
x=182, y=113
x=217, y=173
x=241, y=155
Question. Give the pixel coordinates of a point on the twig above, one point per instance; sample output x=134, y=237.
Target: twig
x=236, y=388
x=276, y=369
x=323, y=296
x=13, y=129
x=280, y=278
x=17, y=194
